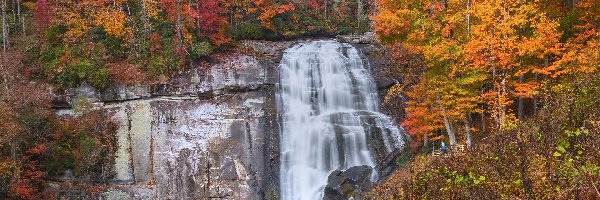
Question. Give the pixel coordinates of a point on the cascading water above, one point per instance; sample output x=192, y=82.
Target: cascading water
x=328, y=106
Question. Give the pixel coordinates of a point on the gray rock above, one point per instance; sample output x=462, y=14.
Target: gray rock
x=365, y=38
x=207, y=132
x=342, y=185
x=388, y=164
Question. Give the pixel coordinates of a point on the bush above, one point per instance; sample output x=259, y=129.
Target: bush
x=82, y=145
x=53, y=34
x=111, y=44
x=404, y=158
x=247, y=30
x=80, y=71
x=162, y=64
x=200, y=49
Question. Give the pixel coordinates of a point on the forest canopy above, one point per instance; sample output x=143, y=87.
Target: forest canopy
x=516, y=82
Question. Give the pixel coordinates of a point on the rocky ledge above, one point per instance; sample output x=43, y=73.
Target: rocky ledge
x=348, y=184
x=208, y=133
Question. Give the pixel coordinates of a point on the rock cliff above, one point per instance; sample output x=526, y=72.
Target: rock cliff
x=207, y=133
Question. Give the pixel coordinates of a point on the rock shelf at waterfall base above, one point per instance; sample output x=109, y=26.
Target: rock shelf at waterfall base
x=328, y=106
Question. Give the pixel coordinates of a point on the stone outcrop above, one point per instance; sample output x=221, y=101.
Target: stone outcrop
x=381, y=66
x=207, y=133
x=365, y=38
x=348, y=184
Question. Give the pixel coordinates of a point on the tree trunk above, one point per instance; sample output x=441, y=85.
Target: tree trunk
x=14, y=7
x=501, y=106
x=447, y=122
x=359, y=11
x=4, y=27
x=325, y=10
x=179, y=23
x=468, y=131
x=468, y=19
x=451, y=135
x=21, y=17
x=425, y=140
x=483, y=127
x=520, y=101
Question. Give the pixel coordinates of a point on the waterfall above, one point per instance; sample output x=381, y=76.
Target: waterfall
x=328, y=107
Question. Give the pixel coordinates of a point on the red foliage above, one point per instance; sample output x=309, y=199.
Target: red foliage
x=211, y=21
x=155, y=42
x=38, y=149
x=314, y=4
x=29, y=183
x=125, y=73
x=43, y=13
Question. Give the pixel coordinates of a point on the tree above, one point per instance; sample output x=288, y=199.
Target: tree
x=436, y=30
x=42, y=14
x=211, y=21
x=112, y=18
x=509, y=41
x=421, y=120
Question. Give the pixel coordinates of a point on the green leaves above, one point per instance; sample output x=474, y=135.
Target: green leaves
x=556, y=154
x=561, y=149
x=479, y=180
x=201, y=49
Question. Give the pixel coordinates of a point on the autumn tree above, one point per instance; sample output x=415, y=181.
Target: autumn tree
x=210, y=21
x=436, y=31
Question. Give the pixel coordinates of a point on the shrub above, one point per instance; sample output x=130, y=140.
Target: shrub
x=53, y=34
x=200, y=49
x=404, y=158
x=80, y=71
x=247, y=30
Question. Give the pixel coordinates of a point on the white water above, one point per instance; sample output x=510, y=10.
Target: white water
x=328, y=106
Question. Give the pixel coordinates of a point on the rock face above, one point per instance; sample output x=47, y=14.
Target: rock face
x=191, y=149
x=342, y=185
x=208, y=133
x=381, y=67
x=365, y=38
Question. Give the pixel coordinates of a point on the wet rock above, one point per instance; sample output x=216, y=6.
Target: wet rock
x=207, y=133
x=388, y=164
x=269, y=49
x=382, y=68
x=123, y=93
x=365, y=38
x=342, y=185
x=380, y=65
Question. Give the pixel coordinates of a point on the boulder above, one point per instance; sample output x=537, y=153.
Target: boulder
x=349, y=183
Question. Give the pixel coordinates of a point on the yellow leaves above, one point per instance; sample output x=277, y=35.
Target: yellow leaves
x=389, y=24
x=151, y=8
x=525, y=89
x=446, y=31
x=77, y=28
x=81, y=16
x=395, y=90
x=29, y=5
x=269, y=11
x=113, y=22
